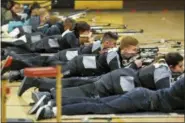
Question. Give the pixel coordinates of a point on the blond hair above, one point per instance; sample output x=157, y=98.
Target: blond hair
x=42, y=11
x=54, y=19
x=127, y=41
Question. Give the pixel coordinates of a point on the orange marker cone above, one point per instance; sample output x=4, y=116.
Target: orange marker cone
x=165, y=10
x=133, y=10
x=97, y=11
x=7, y=90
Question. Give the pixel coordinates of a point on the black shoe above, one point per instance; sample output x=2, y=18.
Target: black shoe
x=14, y=76
x=42, y=101
x=44, y=112
x=5, y=76
x=36, y=95
x=26, y=84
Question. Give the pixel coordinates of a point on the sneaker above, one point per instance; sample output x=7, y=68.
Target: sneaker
x=52, y=103
x=36, y=96
x=26, y=84
x=41, y=102
x=14, y=76
x=44, y=112
x=5, y=76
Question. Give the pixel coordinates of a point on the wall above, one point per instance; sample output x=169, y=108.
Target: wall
x=154, y=4
x=98, y=4
x=44, y=3
x=130, y=4
x=112, y=4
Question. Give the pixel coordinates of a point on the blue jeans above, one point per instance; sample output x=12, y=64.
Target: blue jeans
x=139, y=99
x=45, y=84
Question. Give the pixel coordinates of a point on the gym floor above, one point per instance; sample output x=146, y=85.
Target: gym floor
x=157, y=25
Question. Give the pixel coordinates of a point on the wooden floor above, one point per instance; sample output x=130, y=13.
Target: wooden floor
x=156, y=25
x=18, y=108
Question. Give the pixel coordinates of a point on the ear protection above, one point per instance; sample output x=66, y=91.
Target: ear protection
x=161, y=60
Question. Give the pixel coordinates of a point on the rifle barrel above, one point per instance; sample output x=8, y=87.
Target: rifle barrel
x=124, y=32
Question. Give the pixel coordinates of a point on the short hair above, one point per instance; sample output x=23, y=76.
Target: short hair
x=70, y=21
x=54, y=19
x=82, y=26
x=109, y=36
x=127, y=41
x=43, y=11
x=173, y=58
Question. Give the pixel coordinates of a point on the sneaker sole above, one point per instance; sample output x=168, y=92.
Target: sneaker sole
x=21, y=86
x=34, y=97
x=11, y=80
x=39, y=112
x=36, y=106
